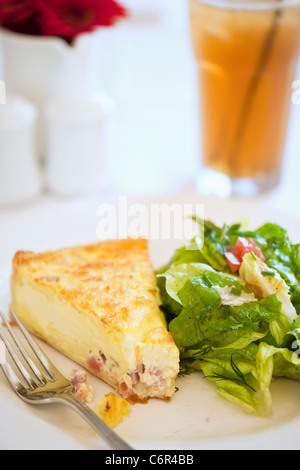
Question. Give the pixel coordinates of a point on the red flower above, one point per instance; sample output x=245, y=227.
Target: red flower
x=15, y=11
x=68, y=18
x=20, y=16
x=61, y=18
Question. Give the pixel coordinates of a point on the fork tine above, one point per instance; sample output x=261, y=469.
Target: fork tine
x=48, y=366
x=25, y=355
x=14, y=356
x=9, y=373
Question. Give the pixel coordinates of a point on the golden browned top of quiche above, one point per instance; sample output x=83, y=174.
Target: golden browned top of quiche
x=113, y=280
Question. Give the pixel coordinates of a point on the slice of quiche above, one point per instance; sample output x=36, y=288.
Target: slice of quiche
x=99, y=305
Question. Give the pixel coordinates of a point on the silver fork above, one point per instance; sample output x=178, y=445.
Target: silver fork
x=38, y=389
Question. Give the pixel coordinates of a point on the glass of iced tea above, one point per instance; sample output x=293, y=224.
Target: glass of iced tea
x=247, y=54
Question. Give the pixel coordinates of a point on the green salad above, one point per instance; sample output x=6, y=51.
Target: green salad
x=232, y=300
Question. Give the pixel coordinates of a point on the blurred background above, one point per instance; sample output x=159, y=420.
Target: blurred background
x=154, y=84
x=144, y=70
x=139, y=87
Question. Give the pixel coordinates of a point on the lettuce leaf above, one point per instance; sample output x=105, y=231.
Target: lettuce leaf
x=205, y=321
x=237, y=340
x=177, y=276
x=203, y=317
x=244, y=376
x=280, y=253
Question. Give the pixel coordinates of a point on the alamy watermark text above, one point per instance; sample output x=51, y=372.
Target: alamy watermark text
x=161, y=221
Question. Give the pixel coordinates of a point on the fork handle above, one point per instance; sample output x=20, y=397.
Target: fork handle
x=109, y=436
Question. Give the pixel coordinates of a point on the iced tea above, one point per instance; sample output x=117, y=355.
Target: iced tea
x=247, y=55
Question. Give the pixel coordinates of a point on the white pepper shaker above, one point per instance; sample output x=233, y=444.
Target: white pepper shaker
x=76, y=145
x=20, y=177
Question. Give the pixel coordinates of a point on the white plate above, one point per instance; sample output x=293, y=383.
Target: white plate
x=196, y=418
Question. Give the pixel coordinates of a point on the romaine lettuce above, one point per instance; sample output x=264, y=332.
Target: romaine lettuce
x=237, y=339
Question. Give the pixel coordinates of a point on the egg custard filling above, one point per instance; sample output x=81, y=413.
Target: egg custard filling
x=100, y=306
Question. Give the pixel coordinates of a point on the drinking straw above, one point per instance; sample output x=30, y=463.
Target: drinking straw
x=254, y=84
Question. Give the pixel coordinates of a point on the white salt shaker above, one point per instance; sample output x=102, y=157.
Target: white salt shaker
x=20, y=178
x=76, y=145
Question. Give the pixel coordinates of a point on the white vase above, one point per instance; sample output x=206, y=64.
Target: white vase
x=42, y=68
